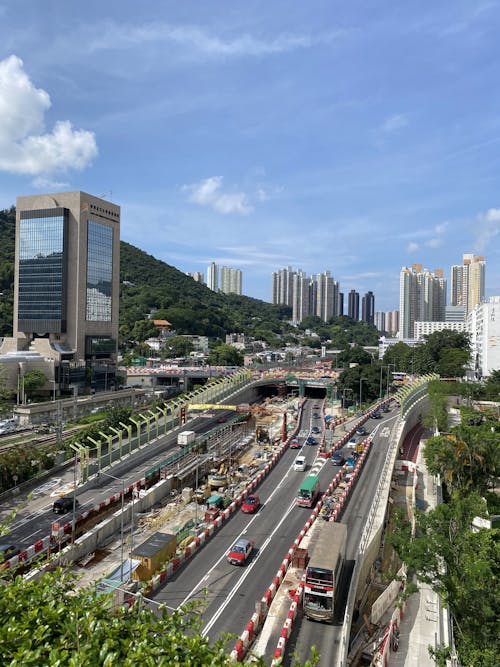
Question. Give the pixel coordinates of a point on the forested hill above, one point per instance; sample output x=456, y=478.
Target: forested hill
x=150, y=286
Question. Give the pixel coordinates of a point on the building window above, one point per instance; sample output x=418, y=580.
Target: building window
x=42, y=270
x=99, y=271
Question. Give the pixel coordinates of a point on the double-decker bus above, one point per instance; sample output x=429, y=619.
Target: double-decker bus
x=324, y=569
x=308, y=491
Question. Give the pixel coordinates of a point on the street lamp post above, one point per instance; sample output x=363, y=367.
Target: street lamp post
x=388, y=373
x=361, y=380
x=344, y=391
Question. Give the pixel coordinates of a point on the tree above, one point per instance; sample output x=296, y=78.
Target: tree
x=33, y=380
x=463, y=567
x=354, y=355
x=48, y=622
x=178, y=346
x=225, y=355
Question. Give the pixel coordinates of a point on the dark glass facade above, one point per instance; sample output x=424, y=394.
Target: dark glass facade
x=99, y=272
x=42, y=270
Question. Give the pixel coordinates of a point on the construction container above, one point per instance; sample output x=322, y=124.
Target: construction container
x=153, y=553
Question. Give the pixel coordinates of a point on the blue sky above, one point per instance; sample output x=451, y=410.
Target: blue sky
x=350, y=137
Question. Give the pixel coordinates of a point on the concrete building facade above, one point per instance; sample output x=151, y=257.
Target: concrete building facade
x=422, y=297
x=483, y=324
x=66, y=285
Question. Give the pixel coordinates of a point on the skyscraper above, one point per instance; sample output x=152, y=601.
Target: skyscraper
x=282, y=288
x=316, y=295
x=230, y=280
x=213, y=277
x=353, y=305
x=422, y=297
x=66, y=285
x=368, y=308
x=467, y=287
x=326, y=296
x=301, y=296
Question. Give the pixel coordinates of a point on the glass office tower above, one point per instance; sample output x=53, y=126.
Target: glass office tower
x=67, y=280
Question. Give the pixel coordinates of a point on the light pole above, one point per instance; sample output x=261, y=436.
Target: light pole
x=122, y=481
x=388, y=372
x=361, y=380
x=346, y=389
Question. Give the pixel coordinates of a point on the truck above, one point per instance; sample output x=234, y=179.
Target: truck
x=186, y=438
x=324, y=570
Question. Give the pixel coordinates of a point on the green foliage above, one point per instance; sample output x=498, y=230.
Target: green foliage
x=444, y=352
x=460, y=564
x=225, y=355
x=177, y=346
x=7, y=251
x=46, y=622
x=353, y=355
x=366, y=379
x=33, y=380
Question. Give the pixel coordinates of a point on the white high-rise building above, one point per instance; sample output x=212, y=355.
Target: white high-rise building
x=230, y=280
x=467, y=287
x=380, y=321
x=483, y=324
x=282, y=288
x=422, y=297
x=301, y=296
x=318, y=295
x=326, y=296
x=213, y=277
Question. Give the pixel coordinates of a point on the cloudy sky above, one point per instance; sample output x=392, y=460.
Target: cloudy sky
x=350, y=137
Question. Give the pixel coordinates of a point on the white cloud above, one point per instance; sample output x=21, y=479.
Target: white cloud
x=395, y=122
x=24, y=146
x=194, y=40
x=43, y=183
x=412, y=247
x=438, y=240
x=208, y=193
x=488, y=227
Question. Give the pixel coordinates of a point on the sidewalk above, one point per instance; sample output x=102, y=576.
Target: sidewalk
x=424, y=622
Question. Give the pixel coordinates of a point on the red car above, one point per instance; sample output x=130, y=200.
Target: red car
x=294, y=444
x=222, y=420
x=240, y=551
x=251, y=504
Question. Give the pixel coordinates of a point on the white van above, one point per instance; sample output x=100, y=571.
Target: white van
x=300, y=464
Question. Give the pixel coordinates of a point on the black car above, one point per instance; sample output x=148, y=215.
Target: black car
x=361, y=431
x=338, y=459
x=315, y=429
x=376, y=415
x=64, y=504
x=310, y=441
x=316, y=415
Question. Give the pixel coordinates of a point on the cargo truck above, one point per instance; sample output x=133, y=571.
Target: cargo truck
x=186, y=437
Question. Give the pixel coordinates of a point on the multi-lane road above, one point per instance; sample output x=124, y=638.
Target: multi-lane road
x=228, y=594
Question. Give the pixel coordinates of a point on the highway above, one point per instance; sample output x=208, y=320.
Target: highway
x=229, y=593
x=323, y=636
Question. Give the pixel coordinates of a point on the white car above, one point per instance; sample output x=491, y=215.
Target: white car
x=300, y=464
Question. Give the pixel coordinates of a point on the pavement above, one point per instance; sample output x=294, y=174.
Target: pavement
x=424, y=622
